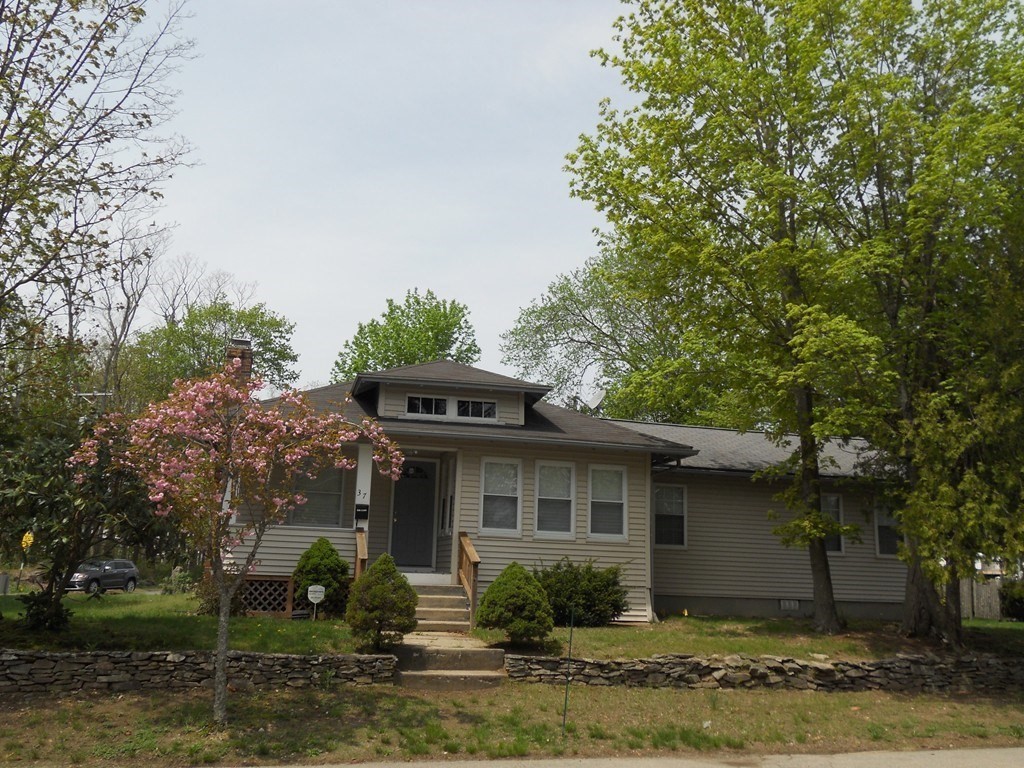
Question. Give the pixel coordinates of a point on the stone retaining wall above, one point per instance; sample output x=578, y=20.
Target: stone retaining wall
x=903, y=673
x=42, y=672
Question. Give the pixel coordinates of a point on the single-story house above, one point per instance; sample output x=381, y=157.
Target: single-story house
x=493, y=473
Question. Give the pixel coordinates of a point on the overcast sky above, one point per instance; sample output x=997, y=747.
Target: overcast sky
x=351, y=151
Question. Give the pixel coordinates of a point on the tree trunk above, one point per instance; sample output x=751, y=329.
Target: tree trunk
x=220, y=662
x=826, y=617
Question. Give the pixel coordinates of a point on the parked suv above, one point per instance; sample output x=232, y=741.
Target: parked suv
x=99, y=575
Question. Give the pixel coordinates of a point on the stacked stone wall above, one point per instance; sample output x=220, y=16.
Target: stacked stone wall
x=905, y=673
x=44, y=672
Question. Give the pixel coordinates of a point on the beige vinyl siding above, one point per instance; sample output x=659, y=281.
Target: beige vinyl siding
x=732, y=552
x=443, y=555
x=536, y=551
x=283, y=544
x=392, y=402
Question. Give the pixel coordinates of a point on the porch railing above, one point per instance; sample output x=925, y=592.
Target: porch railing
x=362, y=558
x=469, y=566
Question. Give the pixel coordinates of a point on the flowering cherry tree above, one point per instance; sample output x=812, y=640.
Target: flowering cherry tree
x=225, y=467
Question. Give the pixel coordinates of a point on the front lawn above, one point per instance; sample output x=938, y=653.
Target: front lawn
x=146, y=621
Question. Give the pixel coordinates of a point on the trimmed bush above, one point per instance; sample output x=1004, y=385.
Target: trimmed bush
x=208, y=598
x=515, y=602
x=321, y=564
x=381, y=606
x=1011, y=599
x=596, y=593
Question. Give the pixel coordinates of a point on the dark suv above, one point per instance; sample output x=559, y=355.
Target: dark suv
x=99, y=575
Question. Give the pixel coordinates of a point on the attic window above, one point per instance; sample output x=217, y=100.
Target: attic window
x=478, y=409
x=433, y=406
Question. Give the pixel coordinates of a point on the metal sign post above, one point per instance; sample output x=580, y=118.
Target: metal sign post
x=315, y=593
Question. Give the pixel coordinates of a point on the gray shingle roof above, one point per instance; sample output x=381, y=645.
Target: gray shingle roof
x=727, y=450
x=544, y=423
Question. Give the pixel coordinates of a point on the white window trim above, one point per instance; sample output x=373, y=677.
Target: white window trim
x=341, y=511
x=878, y=541
x=451, y=408
x=686, y=516
x=842, y=539
x=569, y=535
x=504, y=532
x=624, y=536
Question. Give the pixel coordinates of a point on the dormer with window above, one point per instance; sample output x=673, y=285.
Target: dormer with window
x=448, y=392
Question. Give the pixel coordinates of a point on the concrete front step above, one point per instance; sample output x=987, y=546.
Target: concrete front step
x=442, y=601
x=440, y=590
x=448, y=662
x=442, y=626
x=442, y=614
x=450, y=680
x=419, y=658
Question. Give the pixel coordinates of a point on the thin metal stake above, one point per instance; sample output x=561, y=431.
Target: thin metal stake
x=568, y=670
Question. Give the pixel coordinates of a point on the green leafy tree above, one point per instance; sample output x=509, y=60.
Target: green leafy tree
x=321, y=564
x=381, y=606
x=515, y=602
x=84, y=97
x=825, y=201
x=419, y=330
x=195, y=345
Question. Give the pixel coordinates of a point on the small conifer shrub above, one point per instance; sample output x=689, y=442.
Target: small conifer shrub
x=381, y=606
x=321, y=564
x=596, y=594
x=1011, y=599
x=515, y=602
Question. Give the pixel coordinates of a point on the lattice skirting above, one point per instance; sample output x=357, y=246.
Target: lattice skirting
x=269, y=595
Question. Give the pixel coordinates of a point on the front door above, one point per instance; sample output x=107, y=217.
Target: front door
x=412, y=518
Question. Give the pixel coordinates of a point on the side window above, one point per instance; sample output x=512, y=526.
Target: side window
x=887, y=533
x=832, y=505
x=324, y=507
x=670, y=515
x=608, y=501
x=556, y=483
x=500, y=498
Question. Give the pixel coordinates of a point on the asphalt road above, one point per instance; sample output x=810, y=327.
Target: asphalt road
x=952, y=758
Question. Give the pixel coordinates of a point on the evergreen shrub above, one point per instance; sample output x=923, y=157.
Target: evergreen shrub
x=321, y=564
x=1011, y=599
x=381, y=606
x=596, y=593
x=516, y=603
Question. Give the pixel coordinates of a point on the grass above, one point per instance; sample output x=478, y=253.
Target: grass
x=147, y=621
x=704, y=636
x=341, y=724
x=346, y=724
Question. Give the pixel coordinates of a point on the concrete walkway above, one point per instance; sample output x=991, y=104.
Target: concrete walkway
x=952, y=758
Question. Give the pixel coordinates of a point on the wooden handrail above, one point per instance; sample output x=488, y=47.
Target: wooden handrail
x=361, y=553
x=469, y=567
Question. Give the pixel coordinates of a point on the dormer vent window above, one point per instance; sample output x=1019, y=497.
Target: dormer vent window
x=478, y=409
x=432, y=406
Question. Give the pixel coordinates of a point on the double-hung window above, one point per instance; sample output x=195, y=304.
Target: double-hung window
x=832, y=506
x=608, y=502
x=670, y=515
x=556, y=481
x=324, y=507
x=887, y=534
x=501, y=498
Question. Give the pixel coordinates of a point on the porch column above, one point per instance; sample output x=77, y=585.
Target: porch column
x=364, y=478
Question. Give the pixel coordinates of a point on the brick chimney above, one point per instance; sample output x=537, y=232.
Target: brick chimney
x=242, y=349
